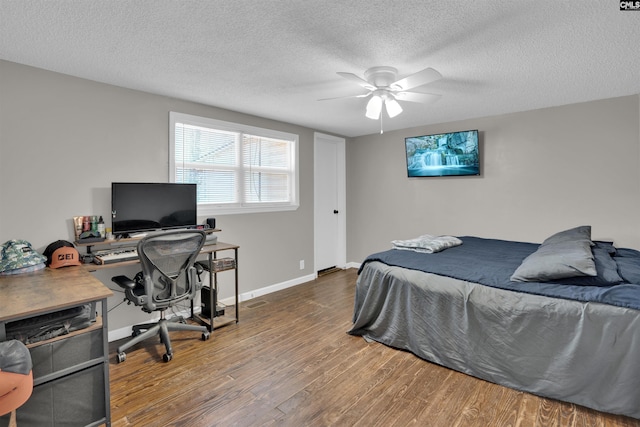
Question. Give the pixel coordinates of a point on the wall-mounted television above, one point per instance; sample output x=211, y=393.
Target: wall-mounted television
x=140, y=207
x=443, y=154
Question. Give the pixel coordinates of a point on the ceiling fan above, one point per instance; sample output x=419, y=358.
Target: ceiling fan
x=385, y=88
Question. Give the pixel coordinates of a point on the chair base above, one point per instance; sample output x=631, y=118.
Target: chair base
x=161, y=328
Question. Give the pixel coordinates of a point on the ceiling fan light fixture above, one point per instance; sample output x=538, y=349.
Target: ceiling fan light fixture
x=383, y=87
x=393, y=107
x=374, y=107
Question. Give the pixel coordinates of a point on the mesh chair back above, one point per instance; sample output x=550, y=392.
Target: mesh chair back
x=167, y=266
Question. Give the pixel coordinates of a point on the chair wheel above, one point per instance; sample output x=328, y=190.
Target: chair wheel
x=121, y=357
x=205, y=336
x=167, y=357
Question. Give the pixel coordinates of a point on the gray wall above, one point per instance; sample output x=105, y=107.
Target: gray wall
x=541, y=171
x=63, y=140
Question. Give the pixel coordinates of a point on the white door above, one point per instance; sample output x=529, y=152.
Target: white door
x=329, y=202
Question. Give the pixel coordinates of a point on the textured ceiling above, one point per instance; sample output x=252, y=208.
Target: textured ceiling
x=275, y=59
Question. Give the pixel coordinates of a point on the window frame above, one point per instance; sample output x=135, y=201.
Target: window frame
x=207, y=209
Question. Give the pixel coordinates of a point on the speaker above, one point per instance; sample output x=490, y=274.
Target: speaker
x=211, y=222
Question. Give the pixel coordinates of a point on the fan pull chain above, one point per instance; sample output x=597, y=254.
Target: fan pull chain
x=381, y=131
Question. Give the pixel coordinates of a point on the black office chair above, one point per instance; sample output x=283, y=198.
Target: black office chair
x=168, y=276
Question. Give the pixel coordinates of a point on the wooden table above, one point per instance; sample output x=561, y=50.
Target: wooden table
x=64, y=363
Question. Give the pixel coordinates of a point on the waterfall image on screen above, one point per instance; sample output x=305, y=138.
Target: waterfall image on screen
x=446, y=154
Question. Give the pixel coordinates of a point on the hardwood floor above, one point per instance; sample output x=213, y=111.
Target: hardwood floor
x=290, y=362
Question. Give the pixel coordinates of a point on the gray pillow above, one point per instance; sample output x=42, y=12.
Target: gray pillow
x=557, y=261
x=573, y=234
x=605, y=266
x=628, y=266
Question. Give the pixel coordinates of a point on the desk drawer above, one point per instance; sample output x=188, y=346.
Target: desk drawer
x=66, y=353
x=74, y=400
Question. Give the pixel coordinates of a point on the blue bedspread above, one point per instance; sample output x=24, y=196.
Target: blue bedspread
x=491, y=262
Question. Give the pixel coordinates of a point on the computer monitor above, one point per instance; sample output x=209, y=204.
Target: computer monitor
x=142, y=207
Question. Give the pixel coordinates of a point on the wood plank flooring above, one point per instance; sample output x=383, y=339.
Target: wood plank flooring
x=290, y=362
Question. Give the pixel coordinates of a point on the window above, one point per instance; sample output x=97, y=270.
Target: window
x=238, y=168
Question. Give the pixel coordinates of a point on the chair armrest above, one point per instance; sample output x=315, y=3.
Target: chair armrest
x=124, y=282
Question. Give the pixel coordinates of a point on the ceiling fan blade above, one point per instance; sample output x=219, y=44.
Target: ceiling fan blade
x=359, y=80
x=364, y=95
x=420, y=78
x=417, y=97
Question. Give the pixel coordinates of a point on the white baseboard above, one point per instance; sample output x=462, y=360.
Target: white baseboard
x=125, y=332
x=269, y=289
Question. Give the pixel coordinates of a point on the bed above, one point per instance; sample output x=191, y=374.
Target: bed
x=547, y=319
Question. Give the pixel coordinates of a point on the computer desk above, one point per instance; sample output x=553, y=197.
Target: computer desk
x=211, y=251
x=64, y=366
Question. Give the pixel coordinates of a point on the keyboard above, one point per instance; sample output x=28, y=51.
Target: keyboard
x=118, y=255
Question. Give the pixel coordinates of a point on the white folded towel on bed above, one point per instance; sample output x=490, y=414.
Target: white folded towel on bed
x=427, y=243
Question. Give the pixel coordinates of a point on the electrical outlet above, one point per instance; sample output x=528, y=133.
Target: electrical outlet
x=301, y=264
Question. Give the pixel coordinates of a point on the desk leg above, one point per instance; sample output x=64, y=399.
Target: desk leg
x=213, y=291
x=236, y=273
x=193, y=316
x=105, y=346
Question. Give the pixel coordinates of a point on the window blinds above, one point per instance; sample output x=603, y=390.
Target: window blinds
x=234, y=167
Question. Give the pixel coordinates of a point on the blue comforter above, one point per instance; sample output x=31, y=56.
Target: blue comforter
x=491, y=262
